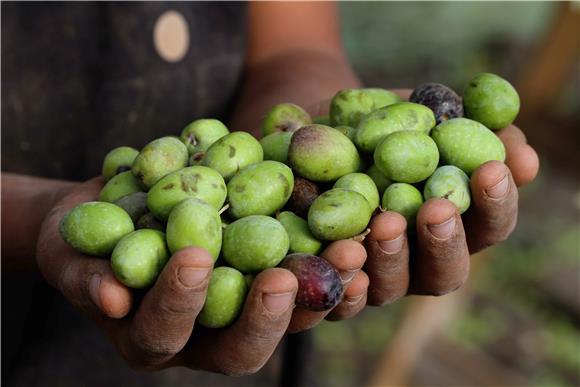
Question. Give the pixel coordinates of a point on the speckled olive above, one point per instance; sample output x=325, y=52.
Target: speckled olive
x=232, y=153
x=377, y=125
x=321, y=153
x=407, y=156
x=285, y=117
x=467, y=144
x=139, y=257
x=159, y=158
x=192, y=182
x=338, y=214
x=118, y=160
x=260, y=189
x=491, y=100
x=255, y=243
x=194, y=222
x=404, y=199
x=94, y=228
x=200, y=134
x=451, y=183
x=361, y=183
x=225, y=298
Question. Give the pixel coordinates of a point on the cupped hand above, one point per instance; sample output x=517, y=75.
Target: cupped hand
x=436, y=260
x=159, y=331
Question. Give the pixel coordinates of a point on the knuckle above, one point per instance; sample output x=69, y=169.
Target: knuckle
x=242, y=369
x=177, y=307
x=148, y=355
x=382, y=300
x=442, y=290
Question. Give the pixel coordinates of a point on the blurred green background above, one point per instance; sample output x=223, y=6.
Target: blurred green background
x=517, y=322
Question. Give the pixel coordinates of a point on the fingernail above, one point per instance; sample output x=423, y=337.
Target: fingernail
x=499, y=190
x=347, y=275
x=277, y=302
x=393, y=246
x=443, y=230
x=94, y=286
x=191, y=276
x=353, y=300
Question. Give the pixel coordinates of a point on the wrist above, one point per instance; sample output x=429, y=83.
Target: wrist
x=26, y=201
x=304, y=77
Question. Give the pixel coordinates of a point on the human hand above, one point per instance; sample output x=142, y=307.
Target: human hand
x=436, y=260
x=159, y=331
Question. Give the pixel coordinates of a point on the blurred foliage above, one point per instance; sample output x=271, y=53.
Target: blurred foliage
x=547, y=238
x=402, y=44
x=345, y=351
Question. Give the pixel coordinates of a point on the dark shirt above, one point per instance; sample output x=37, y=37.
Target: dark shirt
x=77, y=80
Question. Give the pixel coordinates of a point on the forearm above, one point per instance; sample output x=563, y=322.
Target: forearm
x=25, y=202
x=294, y=54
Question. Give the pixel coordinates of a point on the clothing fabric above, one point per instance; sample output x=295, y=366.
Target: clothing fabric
x=77, y=80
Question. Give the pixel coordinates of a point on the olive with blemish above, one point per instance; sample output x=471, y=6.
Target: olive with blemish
x=321, y=153
x=377, y=125
x=159, y=158
x=285, y=117
x=232, y=153
x=118, y=160
x=260, y=189
x=200, y=134
x=451, y=183
x=192, y=182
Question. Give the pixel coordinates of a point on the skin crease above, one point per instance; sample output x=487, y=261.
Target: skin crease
x=303, y=65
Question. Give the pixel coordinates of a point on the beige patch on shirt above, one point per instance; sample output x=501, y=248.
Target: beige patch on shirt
x=171, y=36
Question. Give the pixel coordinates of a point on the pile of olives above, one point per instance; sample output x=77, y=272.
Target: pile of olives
x=255, y=204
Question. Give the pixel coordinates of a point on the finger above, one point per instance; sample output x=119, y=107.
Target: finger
x=348, y=257
x=245, y=347
x=354, y=299
x=387, y=264
x=523, y=163
x=89, y=284
x=494, y=208
x=511, y=134
x=441, y=263
x=164, y=321
x=521, y=158
x=53, y=254
x=86, y=282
